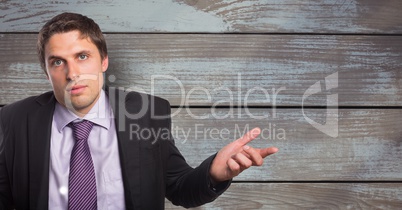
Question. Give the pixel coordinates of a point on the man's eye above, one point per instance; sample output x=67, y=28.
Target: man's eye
x=82, y=57
x=58, y=62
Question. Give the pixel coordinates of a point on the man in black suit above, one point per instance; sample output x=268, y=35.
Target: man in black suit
x=131, y=172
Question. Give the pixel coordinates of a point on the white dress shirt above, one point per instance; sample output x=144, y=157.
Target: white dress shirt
x=105, y=155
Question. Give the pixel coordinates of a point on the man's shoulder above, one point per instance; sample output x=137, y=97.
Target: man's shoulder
x=154, y=104
x=141, y=104
x=136, y=98
x=26, y=105
x=145, y=96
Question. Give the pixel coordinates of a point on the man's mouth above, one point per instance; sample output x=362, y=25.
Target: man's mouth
x=76, y=89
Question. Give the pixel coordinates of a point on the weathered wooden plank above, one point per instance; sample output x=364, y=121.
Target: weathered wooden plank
x=367, y=146
x=225, y=69
x=268, y=16
x=230, y=69
x=307, y=196
x=21, y=74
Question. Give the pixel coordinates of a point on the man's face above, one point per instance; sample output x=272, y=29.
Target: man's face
x=74, y=67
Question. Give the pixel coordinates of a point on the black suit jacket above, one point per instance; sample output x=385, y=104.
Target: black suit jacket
x=152, y=168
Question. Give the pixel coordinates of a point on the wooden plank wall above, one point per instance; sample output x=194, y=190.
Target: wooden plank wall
x=228, y=66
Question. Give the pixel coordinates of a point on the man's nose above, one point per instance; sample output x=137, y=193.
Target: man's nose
x=73, y=71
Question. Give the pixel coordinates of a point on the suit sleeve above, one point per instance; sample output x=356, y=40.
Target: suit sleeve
x=190, y=187
x=187, y=186
x=5, y=189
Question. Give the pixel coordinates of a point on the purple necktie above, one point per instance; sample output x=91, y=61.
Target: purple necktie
x=82, y=181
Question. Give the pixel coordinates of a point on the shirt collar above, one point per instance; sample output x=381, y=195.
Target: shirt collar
x=100, y=114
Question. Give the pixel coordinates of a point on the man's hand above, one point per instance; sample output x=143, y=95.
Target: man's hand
x=238, y=156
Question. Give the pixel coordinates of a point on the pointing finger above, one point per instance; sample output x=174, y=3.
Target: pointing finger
x=267, y=151
x=249, y=136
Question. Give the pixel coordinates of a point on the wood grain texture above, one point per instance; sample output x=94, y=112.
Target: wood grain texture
x=357, y=196
x=252, y=16
x=368, y=145
x=212, y=69
x=266, y=61
x=208, y=69
x=21, y=74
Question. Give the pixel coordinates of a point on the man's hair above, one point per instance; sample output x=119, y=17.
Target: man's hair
x=67, y=22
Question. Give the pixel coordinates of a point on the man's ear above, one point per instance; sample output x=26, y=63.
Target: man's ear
x=105, y=64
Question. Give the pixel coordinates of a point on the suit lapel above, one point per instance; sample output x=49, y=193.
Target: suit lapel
x=39, y=125
x=39, y=134
x=129, y=148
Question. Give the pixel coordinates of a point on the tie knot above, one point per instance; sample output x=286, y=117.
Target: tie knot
x=81, y=129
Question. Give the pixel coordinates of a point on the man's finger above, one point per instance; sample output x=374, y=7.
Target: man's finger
x=249, y=136
x=254, y=155
x=234, y=167
x=268, y=151
x=243, y=161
